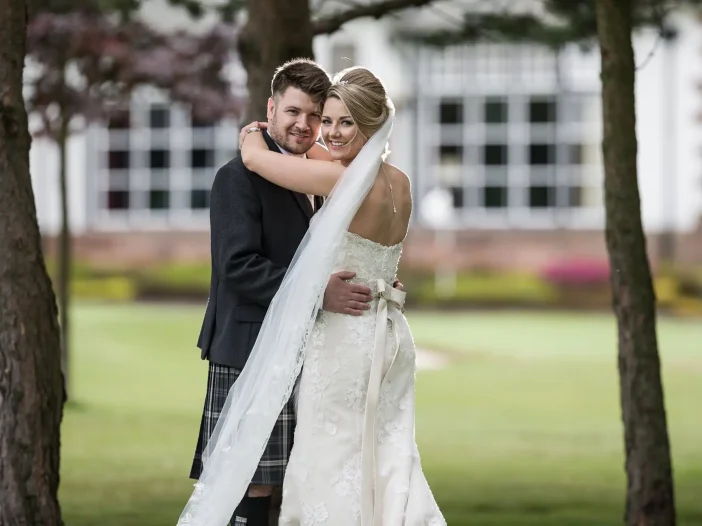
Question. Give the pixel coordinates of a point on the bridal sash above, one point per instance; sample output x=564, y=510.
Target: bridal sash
x=388, y=297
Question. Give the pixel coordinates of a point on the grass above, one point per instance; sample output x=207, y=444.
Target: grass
x=522, y=429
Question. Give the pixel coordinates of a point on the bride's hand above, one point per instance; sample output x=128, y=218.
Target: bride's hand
x=254, y=145
x=245, y=130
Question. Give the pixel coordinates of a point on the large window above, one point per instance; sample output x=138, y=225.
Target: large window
x=506, y=135
x=155, y=164
x=498, y=152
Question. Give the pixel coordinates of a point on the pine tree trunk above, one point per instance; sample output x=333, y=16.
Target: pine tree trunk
x=31, y=398
x=64, y=263
x=649, y=498
x=276, y=31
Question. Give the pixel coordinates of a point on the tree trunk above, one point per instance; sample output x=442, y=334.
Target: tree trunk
x=31, y=399
x=650, y=498
x=276, y=31
x=64, y=263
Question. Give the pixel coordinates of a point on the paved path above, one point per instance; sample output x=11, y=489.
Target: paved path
x=427, y=359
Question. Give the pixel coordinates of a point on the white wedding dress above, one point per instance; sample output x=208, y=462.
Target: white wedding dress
x=355, y=461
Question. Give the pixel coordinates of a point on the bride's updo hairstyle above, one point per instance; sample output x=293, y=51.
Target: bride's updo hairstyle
x=365, y=98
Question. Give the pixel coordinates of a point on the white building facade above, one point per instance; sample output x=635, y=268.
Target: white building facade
x=511, y=131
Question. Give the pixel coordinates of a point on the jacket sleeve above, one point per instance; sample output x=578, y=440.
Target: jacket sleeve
x=235, y=222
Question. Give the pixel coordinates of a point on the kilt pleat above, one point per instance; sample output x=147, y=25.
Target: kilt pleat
x=271, y=468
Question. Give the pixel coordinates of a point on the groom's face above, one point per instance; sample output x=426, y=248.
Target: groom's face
x=294, y=120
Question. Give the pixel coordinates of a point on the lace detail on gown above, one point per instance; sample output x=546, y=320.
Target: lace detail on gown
x=325, y=481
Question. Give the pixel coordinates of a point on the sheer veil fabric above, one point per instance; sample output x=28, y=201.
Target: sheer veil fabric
x=267, y=382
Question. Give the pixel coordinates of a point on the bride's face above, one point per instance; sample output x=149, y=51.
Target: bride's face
x=340, y=133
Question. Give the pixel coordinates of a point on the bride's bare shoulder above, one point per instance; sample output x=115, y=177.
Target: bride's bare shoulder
x=397, y=176
x=391, y=170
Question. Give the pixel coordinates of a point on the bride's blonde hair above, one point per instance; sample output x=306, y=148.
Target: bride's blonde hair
x=365, y=98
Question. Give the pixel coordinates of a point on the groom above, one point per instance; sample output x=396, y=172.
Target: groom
x=256, y=228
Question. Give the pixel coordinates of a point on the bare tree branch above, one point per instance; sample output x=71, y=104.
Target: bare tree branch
x=446, y=16
x=331, y=23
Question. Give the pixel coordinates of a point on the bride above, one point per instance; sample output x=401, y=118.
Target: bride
x=354, y=460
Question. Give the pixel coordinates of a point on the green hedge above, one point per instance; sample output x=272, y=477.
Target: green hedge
x=112, y=288
x=172, y=282
x=183, y=281
x=483, y=289
x=679, y=292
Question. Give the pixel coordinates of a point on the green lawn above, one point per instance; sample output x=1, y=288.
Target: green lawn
x=521, y=429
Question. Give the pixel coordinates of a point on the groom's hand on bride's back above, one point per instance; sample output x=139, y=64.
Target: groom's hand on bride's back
x=346, y=298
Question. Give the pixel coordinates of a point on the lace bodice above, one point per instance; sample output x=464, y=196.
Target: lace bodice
x=369, y=260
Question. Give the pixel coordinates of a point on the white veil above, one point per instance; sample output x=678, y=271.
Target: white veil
x=267, y=381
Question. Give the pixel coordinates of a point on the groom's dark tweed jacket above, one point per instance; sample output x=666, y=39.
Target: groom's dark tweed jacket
x=256, y=228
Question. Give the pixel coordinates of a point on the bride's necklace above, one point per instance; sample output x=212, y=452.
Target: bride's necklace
x=392, y=195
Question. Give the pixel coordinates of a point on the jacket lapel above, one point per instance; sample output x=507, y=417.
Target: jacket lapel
x=304, y=203
x=301, y=199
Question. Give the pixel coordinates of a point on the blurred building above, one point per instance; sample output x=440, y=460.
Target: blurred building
x=512, y=132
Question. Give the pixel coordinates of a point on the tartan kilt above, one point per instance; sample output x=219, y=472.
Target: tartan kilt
x=271, y=468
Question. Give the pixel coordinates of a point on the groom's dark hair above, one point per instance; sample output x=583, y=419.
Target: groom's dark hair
x=303, y=74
